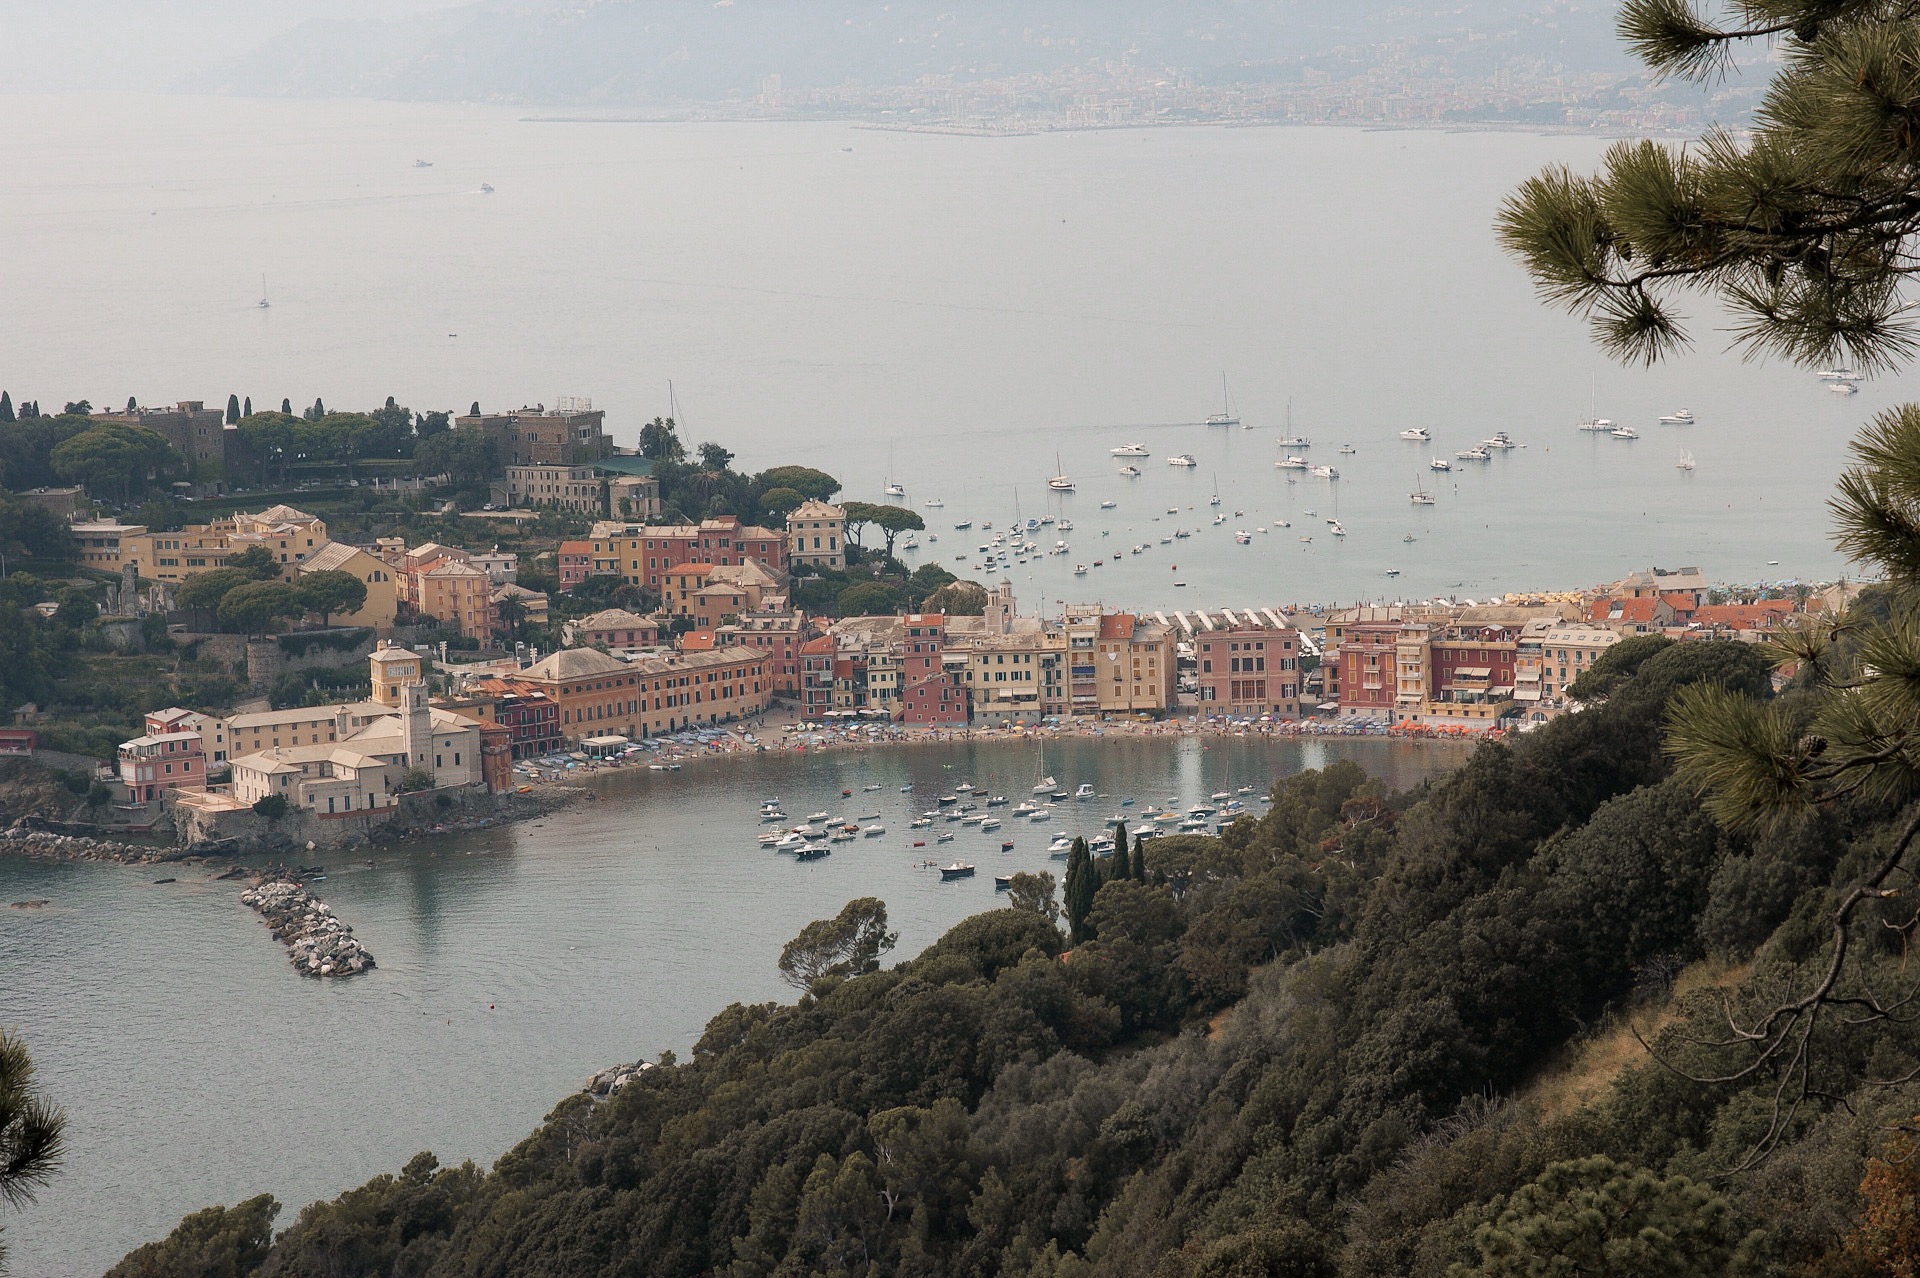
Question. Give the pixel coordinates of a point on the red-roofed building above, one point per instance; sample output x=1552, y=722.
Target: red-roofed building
x=641, y=554
x=1632, y=616
x=575, y=563
x=695, y=641
x=816, y=677
x=1683, y=604
x=779, y=635
x=930, y=695
x=1748, y=618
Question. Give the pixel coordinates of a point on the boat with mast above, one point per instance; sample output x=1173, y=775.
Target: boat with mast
x=1060, y=482
x=1226, y=416
x=1686, y=460
x=264, y=303
x=1596, y=423
x=1420, y=496
x=1292, y=440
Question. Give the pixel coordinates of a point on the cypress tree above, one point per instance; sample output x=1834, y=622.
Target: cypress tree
x=233, y=409
x=1139, y=859
x=132, y=405
x=246, y=409
x=1119, y=858
x=6, y=407
x=286, y=406
x=1082, y=882
x=475, y=410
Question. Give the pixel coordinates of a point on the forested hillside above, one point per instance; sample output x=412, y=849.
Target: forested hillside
x=1309, y=1047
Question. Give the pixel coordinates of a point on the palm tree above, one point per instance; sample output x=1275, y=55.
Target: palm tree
x=32, y=1128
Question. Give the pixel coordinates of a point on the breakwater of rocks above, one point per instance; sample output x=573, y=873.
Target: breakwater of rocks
x=20, y=839
x=318, y=944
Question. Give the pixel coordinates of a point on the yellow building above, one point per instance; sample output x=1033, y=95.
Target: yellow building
x=383, y=591
x=818, y=535
x=103, y=544
x=290, y=536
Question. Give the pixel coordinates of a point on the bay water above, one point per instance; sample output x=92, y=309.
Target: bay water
x=197, y=1067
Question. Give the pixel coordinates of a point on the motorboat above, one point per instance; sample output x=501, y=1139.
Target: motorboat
x=1182, y=459
x=934, y=503
x=1440, y=463
x=996, y=800
x=1130, y=450
x=1419, y=435
x=1242, y=537
x=1348, y=450
x=1324, y=472
x=1219, y=519
x=958, y=870
x=945, y=836
x=1085, y=791
x=920, y=823
x=1292, y=461
x=486, y=188
x=1678, y=417
x=1499, y=441
x=1131, y=472
x=1477, y=453
x=1337, y=530
x=990, y=823
x=948, y=800
x=1598, y=425
x=874, y=831
x=896, y=490
x=818, y=818
x=813, y=852
x=1079, y=570
x=842, y=835
x=965, y=787
x=1041, y=814
x=790, y=842
x=963, y=525
x=1063, y=524
x=1843, y=388
x=1624, y=432
x=1839, y=374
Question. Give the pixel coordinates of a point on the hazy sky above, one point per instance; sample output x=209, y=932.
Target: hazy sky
x=55, y=44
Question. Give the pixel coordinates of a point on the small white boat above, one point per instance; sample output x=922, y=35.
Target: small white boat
x=1418, y=435
x=1243, y=537
x=1686, y=460
x=1182, y=459
x=1085, y=791
x=1499, y=441
x=1131, y=472
x=958, y=870
x=1219, y=519
x=896, y=490
x=1624, y=432
x=1337, y=530
x=1108, y=505
x=990, y=823
x=1840, y=374
x=1843, y=388
x=1079, y=570
x=874, y=831
x=1598, y=425
x=1420, y=497
x=423, y=164
x=1348, y=450
x=1476, y=453
x=818, y=818
x=1130, y=450
x=790, y=843
x=1044, y=785
x=1292, y=461
x=1440, y=463
x=1296, y=441
x=934, y=503
x=1060, y=484
x=1678, y=417
x=1324, y=472
x=486, y=188
x=1041, y=814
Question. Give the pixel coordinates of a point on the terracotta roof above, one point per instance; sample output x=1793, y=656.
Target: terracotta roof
x=1117, y=625
x=814, y=647
x=1679, y=602
x=330, y=557
x=697, y=641
x=576, y=548
x=1753, y=616
x=617, y=619
x=1635, y=610
x=574, y=663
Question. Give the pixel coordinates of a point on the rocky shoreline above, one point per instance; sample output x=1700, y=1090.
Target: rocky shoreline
x=604, y=1084
x=318, y=944
x=21, y=839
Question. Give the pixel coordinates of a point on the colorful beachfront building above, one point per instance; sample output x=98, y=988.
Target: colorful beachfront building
x=931, y=696
x=1246, y=662
x=153, y=764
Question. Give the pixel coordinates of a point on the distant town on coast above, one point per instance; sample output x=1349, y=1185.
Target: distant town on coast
x=235, y=627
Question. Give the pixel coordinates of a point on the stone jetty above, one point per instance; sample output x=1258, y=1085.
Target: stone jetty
x=317, y=943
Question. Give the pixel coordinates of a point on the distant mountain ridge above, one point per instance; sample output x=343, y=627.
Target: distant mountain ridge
x=620, y=52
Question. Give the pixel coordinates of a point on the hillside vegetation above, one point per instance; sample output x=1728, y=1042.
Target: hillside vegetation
x=1397, y=965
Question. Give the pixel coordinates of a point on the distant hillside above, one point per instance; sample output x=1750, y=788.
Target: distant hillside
x=670, y=51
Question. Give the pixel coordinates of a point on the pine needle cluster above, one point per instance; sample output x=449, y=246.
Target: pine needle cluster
x=1802, y=230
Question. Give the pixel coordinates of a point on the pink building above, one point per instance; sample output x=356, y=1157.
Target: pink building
x=1247, y=666
x=930, y=697
x=152, y=765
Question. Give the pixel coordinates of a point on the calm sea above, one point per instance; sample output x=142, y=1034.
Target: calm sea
x=966, y=316
x=198, y=1068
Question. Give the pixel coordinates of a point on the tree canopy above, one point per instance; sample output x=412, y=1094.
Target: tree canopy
x=117, y=461
x=1803, y=230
